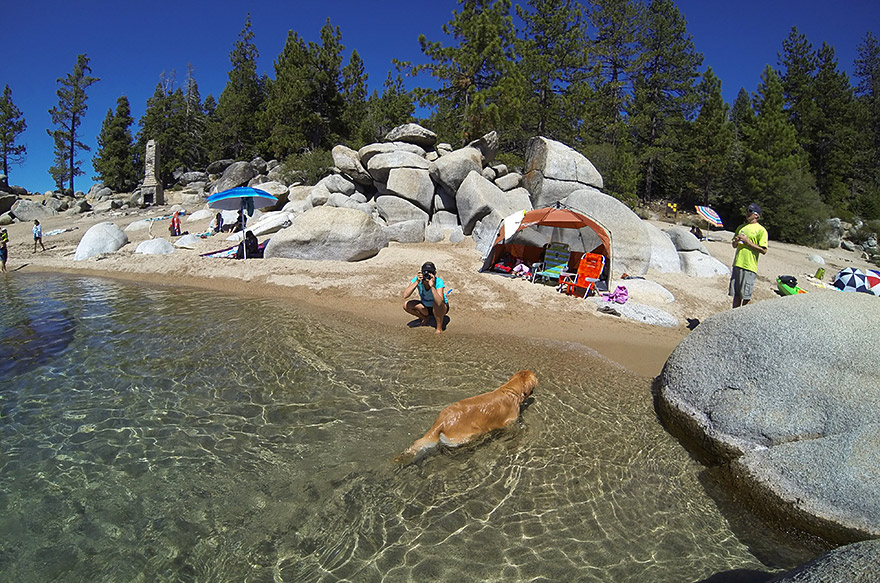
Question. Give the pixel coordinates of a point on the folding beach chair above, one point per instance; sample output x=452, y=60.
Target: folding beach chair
x=588, y=274
x=555, y=262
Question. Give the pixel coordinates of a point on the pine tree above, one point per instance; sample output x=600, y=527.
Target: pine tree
x=615, y=50
x=734, y=197
x=68, y=116
x=799, y=63
x=165, y=121
x=393, y=108
x=481, y=88
x=327, y=105
x=12, y=125
x=554, y=62
x=831, y=132
x=866, y=183
x=354, y=96
x=114, y=160
x=710, y=139
x=664, y=95
x=304, y=108
x=193, y=151
x=241, y=100
x=776, y=170
x=285, y=109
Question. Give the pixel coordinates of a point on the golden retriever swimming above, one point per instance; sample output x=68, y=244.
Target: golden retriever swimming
x=460, y=422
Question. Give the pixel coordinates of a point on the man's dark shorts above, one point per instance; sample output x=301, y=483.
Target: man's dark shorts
x=742, y=283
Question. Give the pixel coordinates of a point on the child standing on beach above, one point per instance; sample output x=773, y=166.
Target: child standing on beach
x=38, y=235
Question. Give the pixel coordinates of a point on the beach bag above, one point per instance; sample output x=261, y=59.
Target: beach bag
x=618, y=296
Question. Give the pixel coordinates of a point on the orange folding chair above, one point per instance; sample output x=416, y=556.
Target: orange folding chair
x=584, y=281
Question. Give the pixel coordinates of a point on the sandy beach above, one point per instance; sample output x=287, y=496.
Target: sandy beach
x=481, y=303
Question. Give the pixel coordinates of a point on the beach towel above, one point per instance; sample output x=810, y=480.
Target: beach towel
x=231, y=252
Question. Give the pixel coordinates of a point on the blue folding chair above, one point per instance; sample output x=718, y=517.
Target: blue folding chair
x=556, y=257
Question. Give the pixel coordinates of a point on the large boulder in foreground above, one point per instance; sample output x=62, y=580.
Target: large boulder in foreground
x=100, y=238
x=851, y=563
x=786, y=395
x=339, y=234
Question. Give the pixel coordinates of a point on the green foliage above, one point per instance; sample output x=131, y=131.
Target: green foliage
x=775, y=169
x=305, y=108
x=384, y=113
x=555, y=67
x=354, y=97
x=114, y=160
x=12, y=125
x=708, y=145
x=308, y=166
x=664, y=95
x=178, y=124
x=235, y=120
x=481, y=88
x=67, y=117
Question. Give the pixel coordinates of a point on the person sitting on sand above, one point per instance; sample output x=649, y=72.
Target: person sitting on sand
x=217, y=223
x=432, y=296
x=696, y=232
x=38, y=235
x=249, y=248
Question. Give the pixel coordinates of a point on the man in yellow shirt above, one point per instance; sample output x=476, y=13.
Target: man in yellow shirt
x=749, y=241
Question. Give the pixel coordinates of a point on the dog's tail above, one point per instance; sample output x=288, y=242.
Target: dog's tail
x=420, y=446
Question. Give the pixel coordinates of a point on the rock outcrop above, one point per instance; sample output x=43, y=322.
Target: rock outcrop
x=786, y=394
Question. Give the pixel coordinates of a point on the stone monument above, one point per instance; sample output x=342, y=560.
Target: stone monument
x=152, y=187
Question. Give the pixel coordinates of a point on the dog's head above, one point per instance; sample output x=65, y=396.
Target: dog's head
x=527, y=382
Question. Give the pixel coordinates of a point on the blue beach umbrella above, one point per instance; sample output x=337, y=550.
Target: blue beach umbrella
x=244, y=199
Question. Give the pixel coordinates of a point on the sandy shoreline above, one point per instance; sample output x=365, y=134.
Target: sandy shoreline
x=482, y=303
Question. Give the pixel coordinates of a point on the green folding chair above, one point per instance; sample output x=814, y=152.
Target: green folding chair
x=555, y=262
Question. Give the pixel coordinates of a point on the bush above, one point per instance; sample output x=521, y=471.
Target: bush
x=308, y=166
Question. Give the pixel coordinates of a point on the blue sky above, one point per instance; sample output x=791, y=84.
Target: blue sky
x=130, y=43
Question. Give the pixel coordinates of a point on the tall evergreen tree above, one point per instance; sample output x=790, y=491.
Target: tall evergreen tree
x=480, y=85
x=354, y=97
x=285, y=107
x=554, y=62
x=393, y=108
x=241, y=100
x=734, y=195
x=615, y=50
x=305, y=108
x=775, y=167
x=12, y=125
x=114, y=160
x=67, y=117
x=710, y=140
x=866, y=185
x=664, y=95
x=165, y=121
x=192, y=147
x=830, y=131
x=799, y=68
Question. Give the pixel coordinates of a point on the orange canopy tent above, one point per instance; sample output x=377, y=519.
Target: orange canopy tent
x=506, y=239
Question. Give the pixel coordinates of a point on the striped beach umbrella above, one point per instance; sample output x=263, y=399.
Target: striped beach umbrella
x=710, y=215
x=872, y=280
x=851, y=279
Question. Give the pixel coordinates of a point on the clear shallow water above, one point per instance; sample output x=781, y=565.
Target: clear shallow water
x=161, y=434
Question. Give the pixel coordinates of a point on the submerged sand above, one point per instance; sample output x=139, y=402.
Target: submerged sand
x=481, y=304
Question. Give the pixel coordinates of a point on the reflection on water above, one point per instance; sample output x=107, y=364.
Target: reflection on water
x=183, y=436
